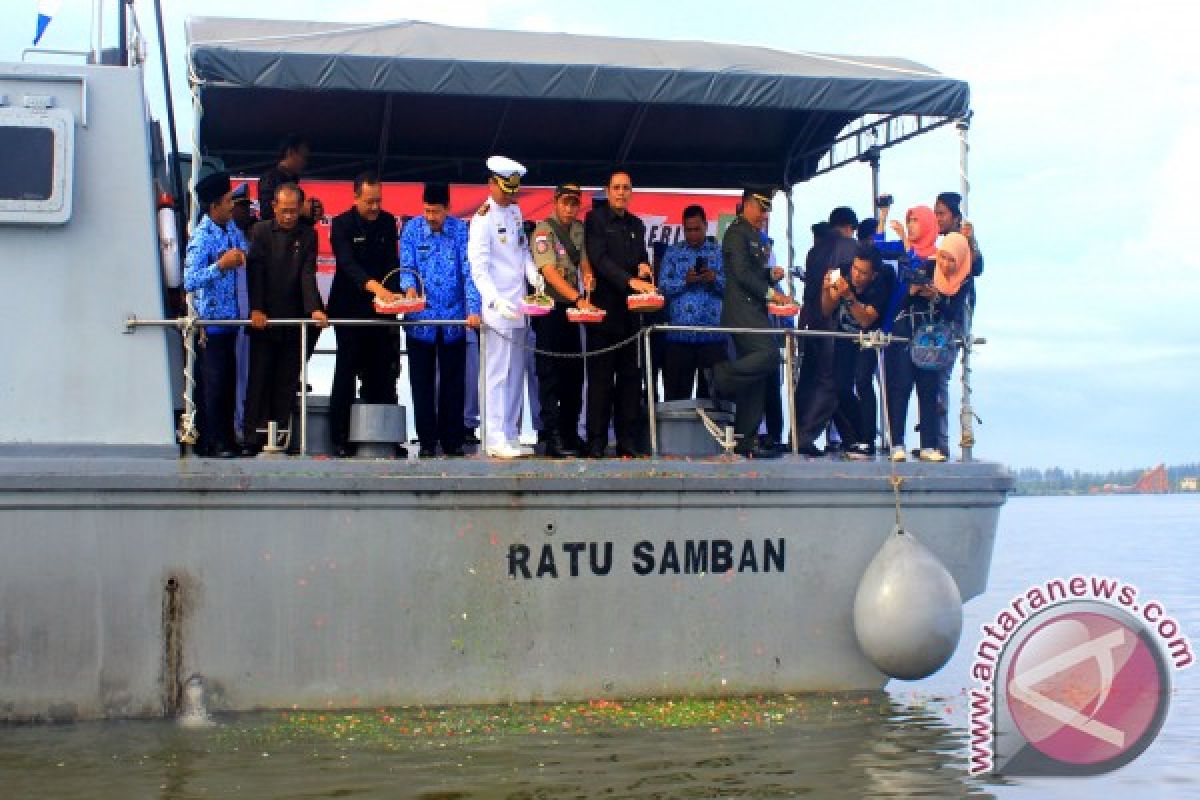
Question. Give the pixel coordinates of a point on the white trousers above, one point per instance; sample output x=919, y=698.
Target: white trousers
x=504, y=380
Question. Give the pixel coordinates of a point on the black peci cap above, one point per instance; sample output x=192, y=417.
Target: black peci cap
x=436, y=194
x=212, y=188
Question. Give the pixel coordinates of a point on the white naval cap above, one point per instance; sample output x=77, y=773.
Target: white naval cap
x=507, y=172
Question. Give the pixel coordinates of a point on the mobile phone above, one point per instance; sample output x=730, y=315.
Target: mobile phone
x=701, y=264
x=834, y=274
x=884, y=201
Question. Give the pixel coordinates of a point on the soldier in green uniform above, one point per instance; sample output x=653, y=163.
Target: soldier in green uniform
x=559, y=256
x=748, y=289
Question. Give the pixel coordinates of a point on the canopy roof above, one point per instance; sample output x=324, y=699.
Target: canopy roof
x=429, y=102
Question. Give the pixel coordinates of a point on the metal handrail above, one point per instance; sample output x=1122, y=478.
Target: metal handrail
x=876, y=340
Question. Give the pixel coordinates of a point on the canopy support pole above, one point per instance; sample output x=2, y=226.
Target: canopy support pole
x=872, y=159
x=385, y=134
x=791, y=240
x=964, y=148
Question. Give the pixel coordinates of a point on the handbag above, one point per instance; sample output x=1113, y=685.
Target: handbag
x=932, y=346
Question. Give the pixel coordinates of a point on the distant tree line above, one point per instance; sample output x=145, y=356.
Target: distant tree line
x=1056, y=480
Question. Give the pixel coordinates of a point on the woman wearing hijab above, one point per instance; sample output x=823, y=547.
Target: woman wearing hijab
x=945, y=295
x=918, y=245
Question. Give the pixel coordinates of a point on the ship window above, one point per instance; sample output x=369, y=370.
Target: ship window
x=37, y=163
x=26, y=163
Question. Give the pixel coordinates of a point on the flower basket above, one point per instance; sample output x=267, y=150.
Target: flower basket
x=538, y=304
x=402, y=305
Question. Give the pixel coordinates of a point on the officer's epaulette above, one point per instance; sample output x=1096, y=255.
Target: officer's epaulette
x=483, y=210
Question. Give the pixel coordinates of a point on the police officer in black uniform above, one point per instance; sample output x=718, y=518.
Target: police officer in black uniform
x=366, y=246
x=748, y=289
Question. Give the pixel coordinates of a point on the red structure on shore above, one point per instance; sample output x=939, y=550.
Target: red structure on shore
x=1153, y=481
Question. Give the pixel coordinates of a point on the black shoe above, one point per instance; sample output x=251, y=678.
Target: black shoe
x=629, y=452
x=342, y=451
x=469, y=437
x=597, y=450
x=758, y=452
x=249, y=451
x=226, y=452
x=810, y=450
x=576, y=444
x=428, y=452
x=555, y=447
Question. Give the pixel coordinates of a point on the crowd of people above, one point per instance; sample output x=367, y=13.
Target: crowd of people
x=484, y=272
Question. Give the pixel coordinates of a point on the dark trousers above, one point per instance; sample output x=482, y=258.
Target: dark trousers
x=613, y=384
x=816, y=394
x=436, y=377
x=864, y=387
x=217, y=389
x=933, y=395
x=773, y=405
x=901, y=379
x=271, y=388
x=367, y=354
x=845, y=374
x=559, y=380
x=746, y=377
x=684, y=364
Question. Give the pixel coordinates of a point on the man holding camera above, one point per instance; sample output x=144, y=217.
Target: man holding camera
x=693, y=282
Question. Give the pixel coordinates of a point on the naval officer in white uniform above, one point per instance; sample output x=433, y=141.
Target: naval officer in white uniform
x=501, y=263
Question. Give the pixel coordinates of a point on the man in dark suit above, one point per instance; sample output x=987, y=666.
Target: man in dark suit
x=615, y=240
x=281, y=281
x=748, y=289
x=366, y=246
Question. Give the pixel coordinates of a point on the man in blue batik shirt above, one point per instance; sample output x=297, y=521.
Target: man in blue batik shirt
x=215, y=253
x=693, y=283
x=434, y=245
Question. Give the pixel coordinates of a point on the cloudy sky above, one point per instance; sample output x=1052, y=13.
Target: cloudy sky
x=1084, y=182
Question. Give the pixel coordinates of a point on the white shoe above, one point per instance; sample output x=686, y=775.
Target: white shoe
x=525, y=450
x=503, y=450
x=930, y=454
x=898, y=454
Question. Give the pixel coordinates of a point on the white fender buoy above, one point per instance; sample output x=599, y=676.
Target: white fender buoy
x=195, y=711
x=908, y=610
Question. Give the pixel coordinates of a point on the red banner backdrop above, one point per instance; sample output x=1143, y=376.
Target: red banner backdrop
x=661, y=211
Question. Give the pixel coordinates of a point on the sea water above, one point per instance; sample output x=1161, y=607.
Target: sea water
x=910, y=740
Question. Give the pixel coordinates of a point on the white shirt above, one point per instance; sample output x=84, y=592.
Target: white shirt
x=500, y=260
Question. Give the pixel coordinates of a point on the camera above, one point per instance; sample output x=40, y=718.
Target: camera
x=884, y=201
x=701, y=264
x=918, y=272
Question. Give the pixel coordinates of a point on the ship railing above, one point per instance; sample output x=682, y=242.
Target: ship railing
x=878, y=341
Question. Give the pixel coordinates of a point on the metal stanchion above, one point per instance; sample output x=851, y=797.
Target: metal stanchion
x=304, y=389
x=789, y=382
x=650, y=410
x=482, y=388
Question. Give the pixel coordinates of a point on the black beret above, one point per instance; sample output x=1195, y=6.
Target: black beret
x=436, y=194
x=212, y=188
